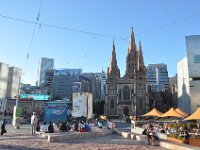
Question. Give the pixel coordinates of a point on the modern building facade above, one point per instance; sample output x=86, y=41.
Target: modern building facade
x=45, y=64
x=128, y=94
x=9, y=80
x=157, y=77
x=13, y=83
x=4, y=69
x=189, y=76
x=67, y=81
x=95, y=79
x=102, y=77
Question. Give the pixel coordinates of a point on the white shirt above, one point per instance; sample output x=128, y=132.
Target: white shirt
x=34, y=120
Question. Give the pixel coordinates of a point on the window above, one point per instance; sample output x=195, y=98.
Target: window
x=120, y=94
x=197, y=59
x=112, y=104
x=140, y=103
x=126, y=93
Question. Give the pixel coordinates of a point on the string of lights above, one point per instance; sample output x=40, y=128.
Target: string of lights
x=98, y=34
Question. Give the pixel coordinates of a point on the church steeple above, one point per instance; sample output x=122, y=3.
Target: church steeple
x=140, y=61
x=131, y=59
x=113, y=69
x=140, y=56
x=132, y=45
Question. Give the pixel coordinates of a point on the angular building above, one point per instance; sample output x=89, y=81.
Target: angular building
x=14, y=77
x=45, y=64
x=128, y=94
x=9, y=80
x=102, y=77
x=95, y=79
x=4, y=69
x=157, y=77
x=189, y=76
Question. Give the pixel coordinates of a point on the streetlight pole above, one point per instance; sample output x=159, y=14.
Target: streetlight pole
x=16, y=111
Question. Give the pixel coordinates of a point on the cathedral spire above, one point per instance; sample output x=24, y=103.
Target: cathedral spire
x=140, y=56
x=113, y=69
x=131, y=58
x=132, y=45
x=140, y=62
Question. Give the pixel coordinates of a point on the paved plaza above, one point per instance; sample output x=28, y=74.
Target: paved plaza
x=23, y=140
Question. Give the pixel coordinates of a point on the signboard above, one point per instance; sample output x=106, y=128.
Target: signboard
x=79, y=105
x=35, y=96
x=82, y=105
x=55, y=114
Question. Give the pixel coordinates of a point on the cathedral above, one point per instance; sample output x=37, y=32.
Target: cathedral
x=127, y=94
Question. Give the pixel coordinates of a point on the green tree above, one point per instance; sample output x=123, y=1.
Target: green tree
x=98, y=107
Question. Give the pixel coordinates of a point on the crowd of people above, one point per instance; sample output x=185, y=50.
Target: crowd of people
x=76, y=125
x=181, y=131
x=152, y=134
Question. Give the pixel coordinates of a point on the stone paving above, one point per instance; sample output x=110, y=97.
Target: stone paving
x=21, y=139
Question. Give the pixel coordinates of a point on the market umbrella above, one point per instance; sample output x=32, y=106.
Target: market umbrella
x=195, y=115
x=181, y=112
x=153, y=112
x=172, y=113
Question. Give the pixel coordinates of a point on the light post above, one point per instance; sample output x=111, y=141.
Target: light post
x=17, y=111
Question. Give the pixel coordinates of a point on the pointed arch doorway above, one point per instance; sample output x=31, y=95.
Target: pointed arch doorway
x=126, y=111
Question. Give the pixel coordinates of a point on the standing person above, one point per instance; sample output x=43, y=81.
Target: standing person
x=3, y=127
x=34, y=121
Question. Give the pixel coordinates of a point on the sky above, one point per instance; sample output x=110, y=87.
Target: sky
x=79, y=34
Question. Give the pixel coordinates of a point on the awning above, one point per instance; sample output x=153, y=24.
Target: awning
x=153, y=112
x=195, y=115
x=172, y=113
x=181, y=112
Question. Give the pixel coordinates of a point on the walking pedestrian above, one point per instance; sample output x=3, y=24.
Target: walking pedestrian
x=34, y=121
x=3, y=127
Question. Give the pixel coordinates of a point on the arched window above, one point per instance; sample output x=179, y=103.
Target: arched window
x=126, y=93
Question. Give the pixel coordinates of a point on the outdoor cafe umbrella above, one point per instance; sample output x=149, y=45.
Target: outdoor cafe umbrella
x=153, y=112
x=181, y=112
x=195, y=115
x=172, y=113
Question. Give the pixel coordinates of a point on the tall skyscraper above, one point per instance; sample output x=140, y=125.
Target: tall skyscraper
x=45, y=64
x=128, y=94
x=189, y=76
x=157, y=77
x=14, y=76
x=4, y=68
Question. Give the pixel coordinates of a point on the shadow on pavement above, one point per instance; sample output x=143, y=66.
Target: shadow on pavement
x=17, y=147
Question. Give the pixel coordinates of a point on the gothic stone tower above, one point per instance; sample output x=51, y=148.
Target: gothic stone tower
x=127, y=95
